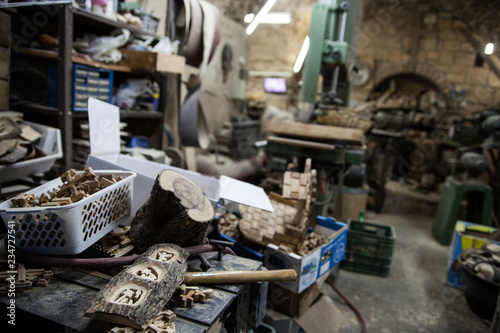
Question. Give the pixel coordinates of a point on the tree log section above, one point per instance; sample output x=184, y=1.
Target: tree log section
x=177, y=212
x=138, y=293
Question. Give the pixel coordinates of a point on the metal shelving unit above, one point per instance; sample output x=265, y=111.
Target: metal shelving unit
x=67, y=17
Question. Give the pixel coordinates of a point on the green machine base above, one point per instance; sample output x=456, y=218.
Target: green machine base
x=479, y=198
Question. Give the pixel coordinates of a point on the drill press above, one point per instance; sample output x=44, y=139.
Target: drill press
x=333, y=40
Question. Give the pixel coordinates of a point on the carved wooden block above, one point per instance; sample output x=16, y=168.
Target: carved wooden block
x=74, y=188
x=137, y=294
x=190, y=295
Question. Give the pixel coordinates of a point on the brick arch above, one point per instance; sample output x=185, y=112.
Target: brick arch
x=419, y=69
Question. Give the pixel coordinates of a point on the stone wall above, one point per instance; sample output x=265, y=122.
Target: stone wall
x=391, y=42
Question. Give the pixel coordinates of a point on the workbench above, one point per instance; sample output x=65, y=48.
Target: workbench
x=59, y=307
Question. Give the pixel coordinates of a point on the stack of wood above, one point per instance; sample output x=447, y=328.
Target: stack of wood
x=116, y=243
x=17, y=141
x=310, y=242
x=287, y=226
x=345, y=117
x=75, y=187
x=228, y=225
x=25, y=279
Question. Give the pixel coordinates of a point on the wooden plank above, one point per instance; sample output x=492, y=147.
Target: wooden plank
x=314, y=131
x=170, y=63
x=301, y=143
x=4, y=63
x=152, y=61
x=4, y=29
x=4, y=95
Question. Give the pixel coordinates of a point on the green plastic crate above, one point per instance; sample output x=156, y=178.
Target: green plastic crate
x=369, y=248
x=382, y=271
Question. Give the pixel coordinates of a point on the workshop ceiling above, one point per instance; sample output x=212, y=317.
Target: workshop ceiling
x=481, y=17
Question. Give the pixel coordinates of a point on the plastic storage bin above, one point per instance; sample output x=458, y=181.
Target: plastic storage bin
x=50, y=143
x=91, y=82
x=72, y=228
x=87, y=82
x=369, y=248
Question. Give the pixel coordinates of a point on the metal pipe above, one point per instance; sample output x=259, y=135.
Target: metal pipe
x=38, y=260
x=342, y=27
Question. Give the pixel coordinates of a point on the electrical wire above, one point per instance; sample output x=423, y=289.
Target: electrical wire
x=356, y=311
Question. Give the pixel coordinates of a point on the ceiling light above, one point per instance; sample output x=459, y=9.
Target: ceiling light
x=489, y=48
x=272, y=18
x=260, y=15
x=302, y=55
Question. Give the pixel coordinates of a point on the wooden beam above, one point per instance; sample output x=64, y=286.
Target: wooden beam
x=315, y=132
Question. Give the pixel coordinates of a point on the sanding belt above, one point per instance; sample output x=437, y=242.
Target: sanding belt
x=204, y=29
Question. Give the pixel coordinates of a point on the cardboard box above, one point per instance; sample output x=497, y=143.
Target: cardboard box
x=290, y=303
x=104, y=120
x=466, y=235
x=316, y=263
x=322, y=317
x=152, y=61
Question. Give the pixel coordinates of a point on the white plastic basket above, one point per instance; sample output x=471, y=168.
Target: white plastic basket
x=72, y=228
x=50, y=143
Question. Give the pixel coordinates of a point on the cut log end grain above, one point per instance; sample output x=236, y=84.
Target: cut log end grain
x=190, y=195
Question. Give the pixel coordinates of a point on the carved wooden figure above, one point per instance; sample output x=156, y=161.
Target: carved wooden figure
x=177, y=212
x=137, y=294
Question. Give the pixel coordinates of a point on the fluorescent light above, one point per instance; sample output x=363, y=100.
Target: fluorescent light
x=272, y=18
x=489, y=48
x=302, y=55
x=260, y=15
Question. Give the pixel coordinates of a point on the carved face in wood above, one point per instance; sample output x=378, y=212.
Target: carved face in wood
x=191, y=196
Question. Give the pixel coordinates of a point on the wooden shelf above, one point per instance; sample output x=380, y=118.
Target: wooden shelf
x=85, y=15
x=140, y=114
x=48, y=54
x=50, y=111
x=38, y=108
x=124, y=114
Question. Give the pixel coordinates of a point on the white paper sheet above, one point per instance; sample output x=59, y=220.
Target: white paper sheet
x=104, y=124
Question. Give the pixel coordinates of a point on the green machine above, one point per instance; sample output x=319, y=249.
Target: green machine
x=333, y=38
x=466, y=181
x=332, y=48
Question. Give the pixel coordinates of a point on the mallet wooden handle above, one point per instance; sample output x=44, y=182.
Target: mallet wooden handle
x=227, y=277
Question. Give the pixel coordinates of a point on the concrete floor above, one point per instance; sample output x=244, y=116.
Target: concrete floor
x=414, y=298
